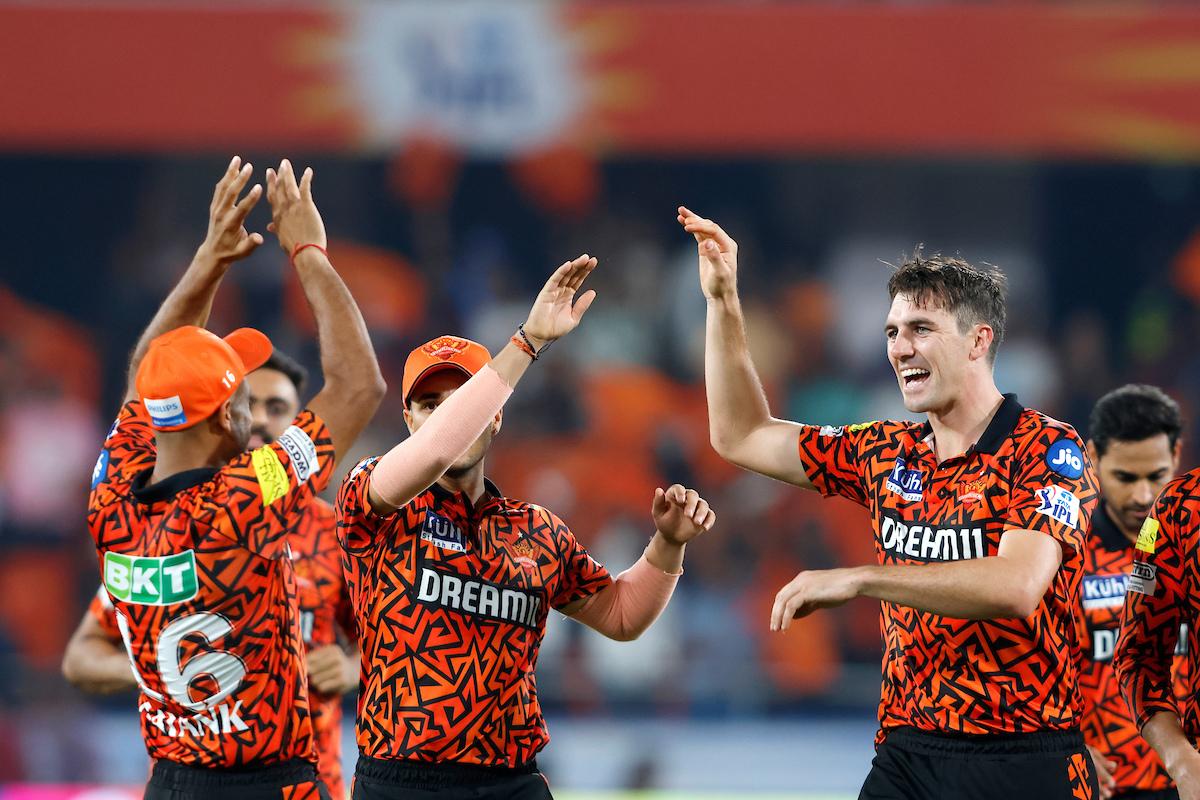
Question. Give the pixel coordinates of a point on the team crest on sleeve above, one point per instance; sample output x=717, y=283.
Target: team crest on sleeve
x=1148, y=536
x=1058, y=504
x=1065, y=458
x=301, y=451
x=904, y=481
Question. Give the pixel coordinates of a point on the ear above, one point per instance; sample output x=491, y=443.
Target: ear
x=497, y=422
x=1094, y=454
x=1176, y=454
x=408, y=420
x=984, y=335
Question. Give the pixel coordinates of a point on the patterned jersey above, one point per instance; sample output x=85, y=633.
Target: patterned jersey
x=451, y=601
x=1162, y=601
x=324, y=608
x=205, y=594
x=1026, y=472
x=1107, y=725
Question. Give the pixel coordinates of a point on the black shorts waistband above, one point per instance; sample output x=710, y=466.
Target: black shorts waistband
x=1040, y=743
x=428, y=775
x=284, y=773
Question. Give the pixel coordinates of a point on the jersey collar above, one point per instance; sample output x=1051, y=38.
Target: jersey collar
x=1003, y=423
x=1107, y=532
x=168, y=487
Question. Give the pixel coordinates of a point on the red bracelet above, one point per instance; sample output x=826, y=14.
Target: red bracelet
x=299, y=247
x=524, y=346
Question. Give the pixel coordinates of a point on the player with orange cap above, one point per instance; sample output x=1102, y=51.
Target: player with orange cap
x=452, y=582
x=193, y=530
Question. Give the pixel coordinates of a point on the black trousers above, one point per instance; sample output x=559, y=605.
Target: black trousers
x=917, y=765
x=395, y=779
x=290, y=780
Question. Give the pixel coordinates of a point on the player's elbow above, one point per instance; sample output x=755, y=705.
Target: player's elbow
x=75, y=671
x=627, y=633
x=1021, y=601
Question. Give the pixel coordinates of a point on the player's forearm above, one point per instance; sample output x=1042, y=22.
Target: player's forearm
x=982, y=588
x=637, y=597
x=1164, y=733
x=189, y=303
x=665, y=555
x=348, y=361
x=737, y=403
x=412, y=466
x=97, y=666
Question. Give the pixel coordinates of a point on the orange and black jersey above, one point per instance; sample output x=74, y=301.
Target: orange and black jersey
x=1107, y=725
x=324, y=610
x=1162, y=603
x=451, y=601
x=1026, y=472
x=197, y=567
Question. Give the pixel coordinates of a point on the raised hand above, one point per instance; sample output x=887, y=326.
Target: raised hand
x=227, y=240
x=718, y=255
x=294, y=216
x=681, y=514
x=555, y=311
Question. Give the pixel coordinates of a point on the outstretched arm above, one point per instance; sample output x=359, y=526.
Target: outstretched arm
x=413, y=465
x=628, y=607
x=227, y=241
x=741, y=427
x=354, y=386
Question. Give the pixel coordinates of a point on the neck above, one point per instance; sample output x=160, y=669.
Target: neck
x=1115, y=520
x=178, y=452
x=960, y=425
x=469, y=482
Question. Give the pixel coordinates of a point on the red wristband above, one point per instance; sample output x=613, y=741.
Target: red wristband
x=299, y=247
x=524, y=347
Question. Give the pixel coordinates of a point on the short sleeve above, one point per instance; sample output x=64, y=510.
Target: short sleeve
x=264, y=488
x=357, y=524
x=1154, y=596
x=1053, y=488
x=128, y=450
x=579, y=574
x=833, y=458
x=101, y=609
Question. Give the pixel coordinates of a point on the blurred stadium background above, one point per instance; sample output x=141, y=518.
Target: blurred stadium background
x=463, y=148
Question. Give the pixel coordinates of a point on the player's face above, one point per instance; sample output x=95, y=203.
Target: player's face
x=274, y=403
x=431, y=392
x=928, y=352
x=1131, y=476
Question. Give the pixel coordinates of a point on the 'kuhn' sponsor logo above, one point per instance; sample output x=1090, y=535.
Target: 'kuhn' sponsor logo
x=921, y=541
x=904, y=481
x=479, y=598
x=1104, y=591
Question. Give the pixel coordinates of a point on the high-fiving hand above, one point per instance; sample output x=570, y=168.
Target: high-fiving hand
x=810, y=591
x=227, y=240
x=294, y=216
x=681, y=514
x=555, y=311
x=718, y=254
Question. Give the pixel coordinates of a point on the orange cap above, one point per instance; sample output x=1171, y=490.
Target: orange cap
x=189, y=372
x=444, y=352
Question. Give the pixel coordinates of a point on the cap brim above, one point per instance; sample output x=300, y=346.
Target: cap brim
x=252, y=346
x=430, y=370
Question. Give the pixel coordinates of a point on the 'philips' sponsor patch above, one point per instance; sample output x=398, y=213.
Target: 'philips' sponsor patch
x=165, y=412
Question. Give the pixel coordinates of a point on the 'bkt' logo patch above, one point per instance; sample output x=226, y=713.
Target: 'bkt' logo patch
x=1065, y=458
x=905, y=482
x=442, y=532
x=151, y=581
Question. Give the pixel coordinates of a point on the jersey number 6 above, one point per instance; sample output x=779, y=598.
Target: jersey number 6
x=225, y=669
